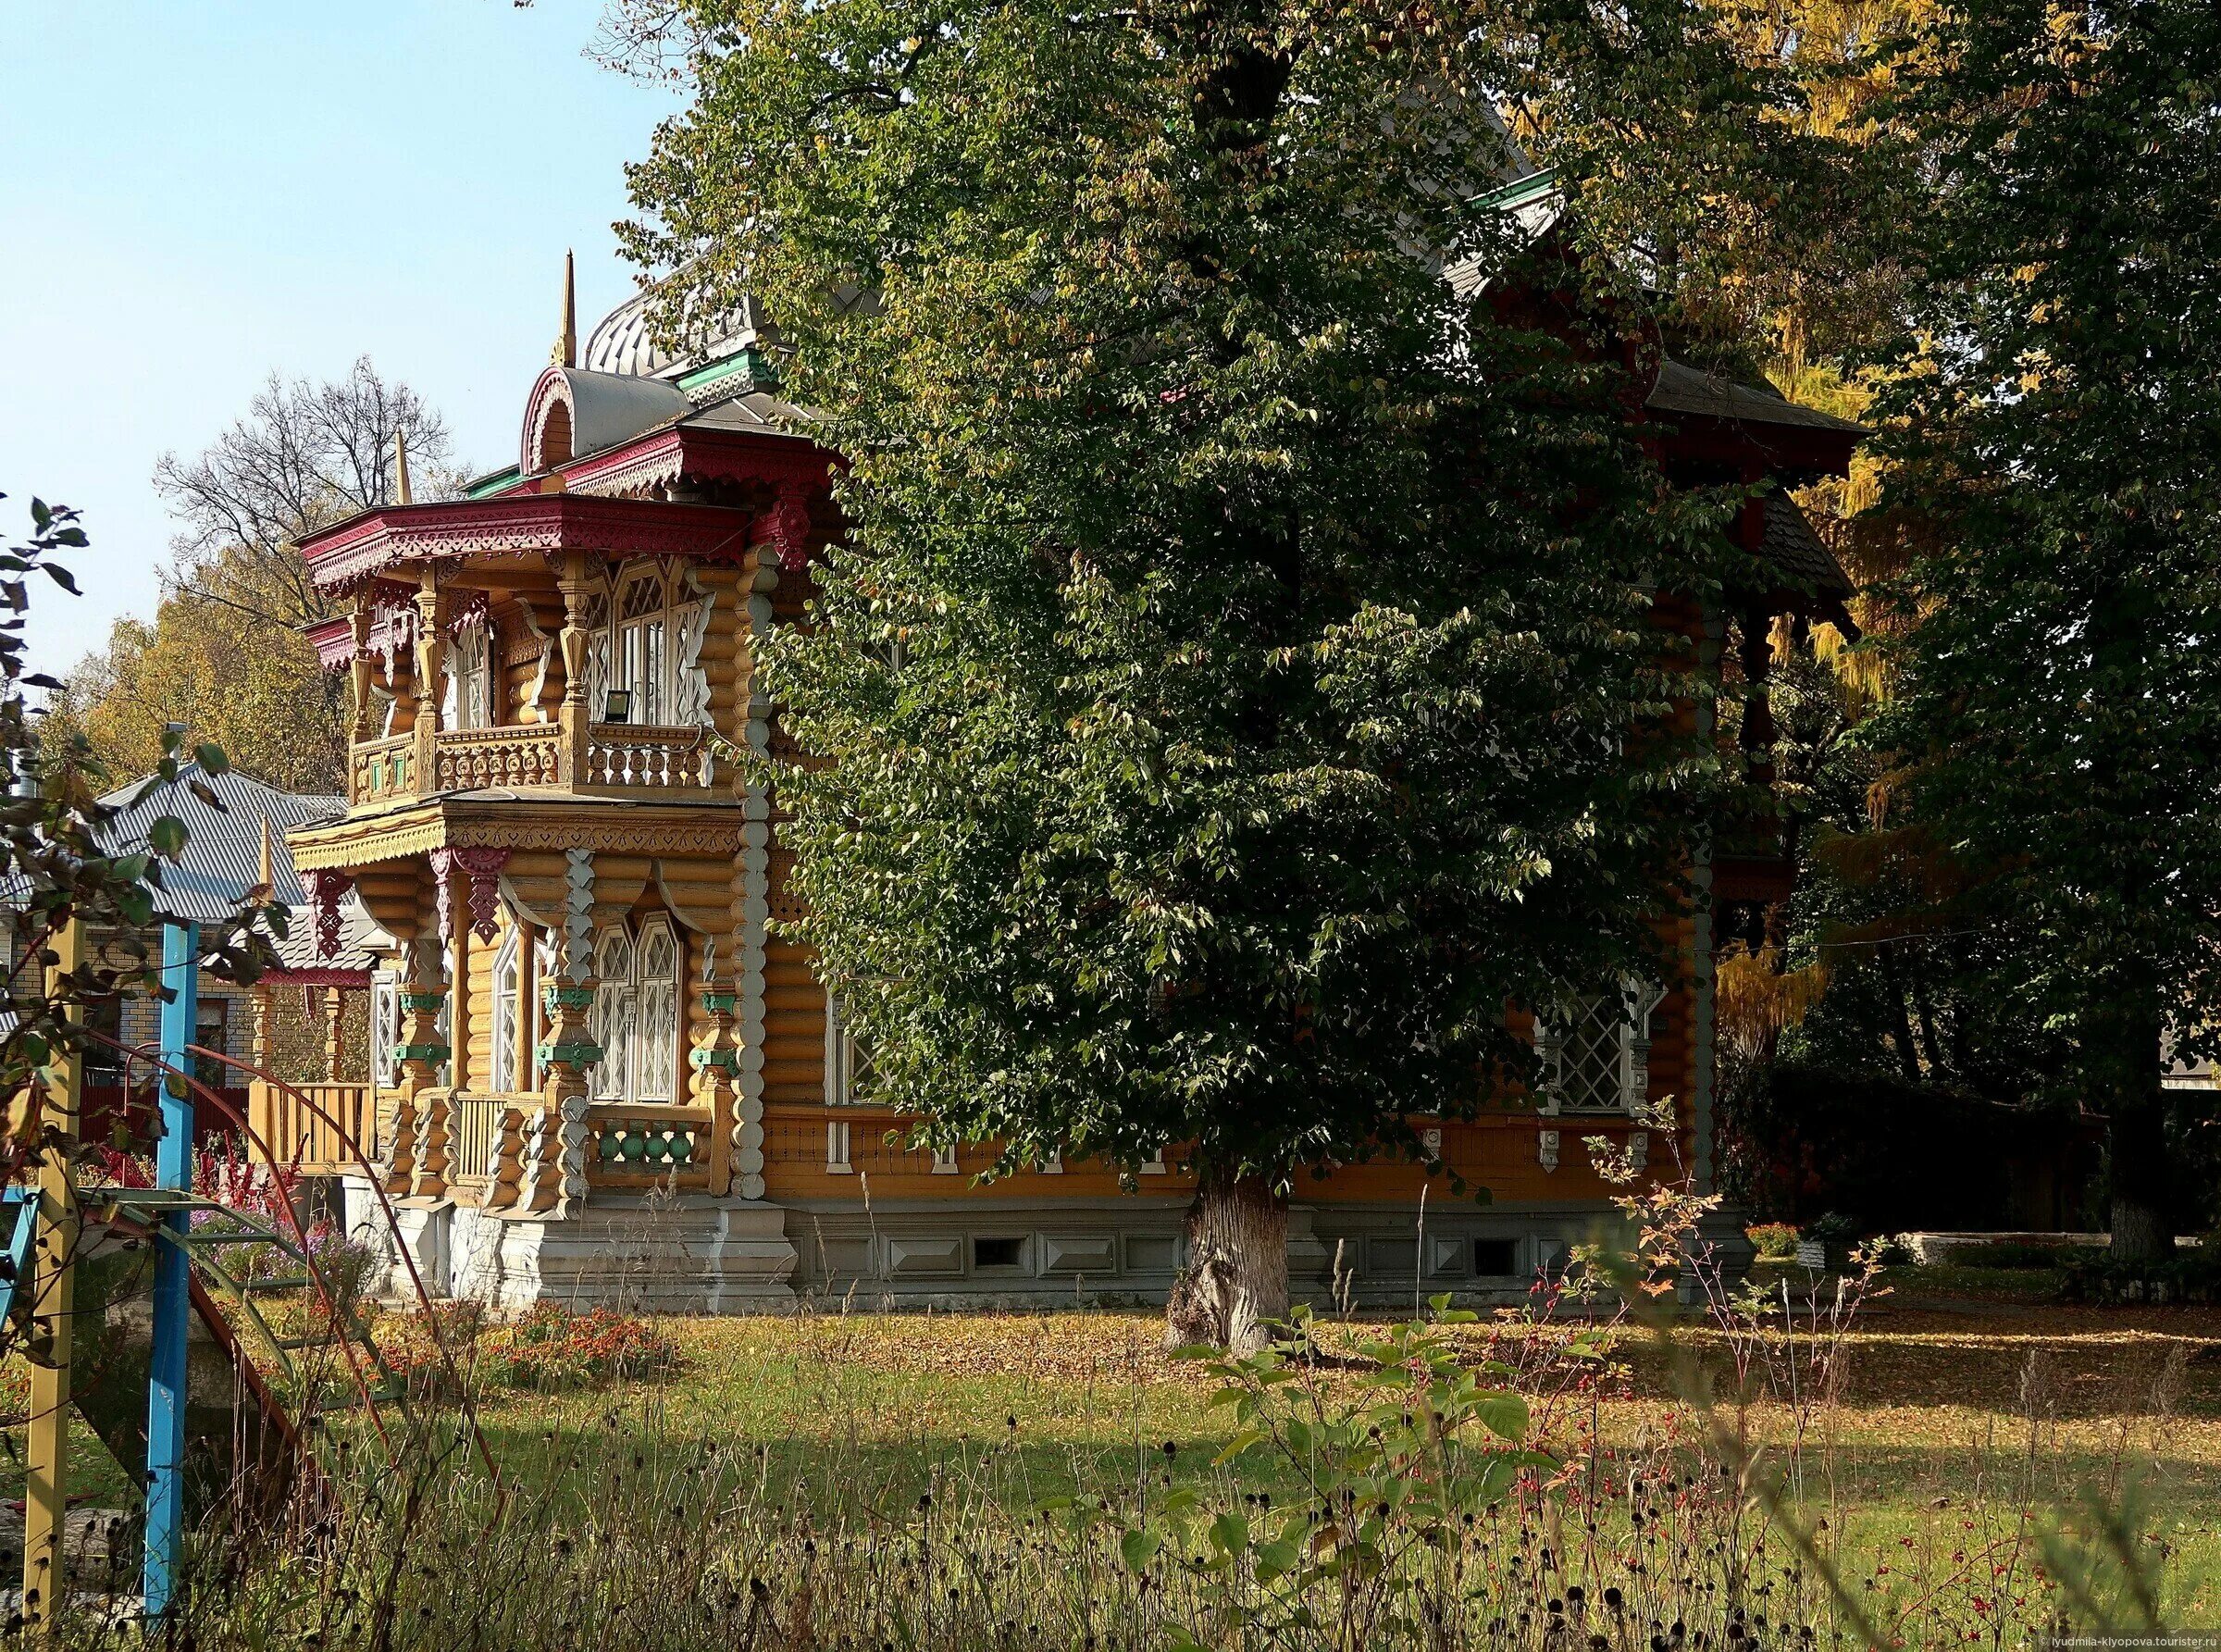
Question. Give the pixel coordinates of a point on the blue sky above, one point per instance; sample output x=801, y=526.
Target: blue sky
x=195, y=195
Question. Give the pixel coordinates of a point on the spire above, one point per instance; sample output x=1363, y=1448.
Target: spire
x=401, y=468
x=565, y=353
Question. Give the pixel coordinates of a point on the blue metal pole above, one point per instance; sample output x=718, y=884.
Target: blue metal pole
x=173, y=1301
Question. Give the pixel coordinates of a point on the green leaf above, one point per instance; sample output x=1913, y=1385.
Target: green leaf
x=1504, y=1415
x=166, y=836
x=1140, y=1547
x=1237, y=1446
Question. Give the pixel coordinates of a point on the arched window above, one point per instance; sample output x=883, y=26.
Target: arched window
x=643, y=653
x=636, y=1013
x=646, y=642
x=613, y=1016
x=515, y=1016
x=655, y=1044
x=544, y=954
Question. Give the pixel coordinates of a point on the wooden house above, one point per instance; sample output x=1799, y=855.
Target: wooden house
x=598, y=1070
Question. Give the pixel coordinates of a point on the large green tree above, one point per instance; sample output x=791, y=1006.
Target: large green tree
x=2058, y=710
x=1236, y=690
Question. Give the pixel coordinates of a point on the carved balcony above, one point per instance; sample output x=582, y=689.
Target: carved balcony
x=597, y=759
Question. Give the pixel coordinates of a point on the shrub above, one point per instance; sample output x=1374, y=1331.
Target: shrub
x=2188, y=1277
x=1774, y=1241
x=554, y=1347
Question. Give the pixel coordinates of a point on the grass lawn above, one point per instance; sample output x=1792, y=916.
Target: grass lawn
x=1950, y=1406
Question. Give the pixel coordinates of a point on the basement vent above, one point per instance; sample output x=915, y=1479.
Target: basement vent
x=1496, y=1259
x=997, y=1253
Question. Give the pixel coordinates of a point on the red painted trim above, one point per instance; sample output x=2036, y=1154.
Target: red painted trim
x=519, y=524
x=334, y=639
x=709, y=456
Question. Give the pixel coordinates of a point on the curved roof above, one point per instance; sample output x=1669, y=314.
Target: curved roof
x=606, y=409
x=623, y=340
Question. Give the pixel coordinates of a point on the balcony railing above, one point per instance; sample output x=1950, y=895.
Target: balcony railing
x=640, y=1143
x=595, y=758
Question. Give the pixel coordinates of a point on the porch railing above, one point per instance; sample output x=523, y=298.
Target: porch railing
x=475, y=1134
x=310, y=1136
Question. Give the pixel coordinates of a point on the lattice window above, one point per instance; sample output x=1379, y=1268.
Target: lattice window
x=509, y=1001
x=544, y=955
x=385, y=1028
x=468, y=698
x=613, y=1014
x=643, y=658
x=1594, y=1052
x=655, y=1074
x=690, y=625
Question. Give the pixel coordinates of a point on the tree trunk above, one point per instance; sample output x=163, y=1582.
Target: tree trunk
x=1235, y=1287
x=2138, y=1139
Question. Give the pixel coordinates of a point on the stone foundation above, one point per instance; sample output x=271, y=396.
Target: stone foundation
x=695, y=1254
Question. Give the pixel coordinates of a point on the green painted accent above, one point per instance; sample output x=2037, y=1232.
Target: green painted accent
x=434, y=1054
x=569, y=998
x=747, y=362
x=491, y=484
x=424, y=1001
x=702, y=1060
x=720, y=1003
x=1520, y=191
x=657, y=1147
x=570, y=1055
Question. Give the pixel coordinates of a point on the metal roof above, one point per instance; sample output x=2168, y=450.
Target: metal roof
x=222, y=857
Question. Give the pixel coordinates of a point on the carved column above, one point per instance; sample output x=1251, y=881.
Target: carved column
x=335, y=1042
x=431, y=678
x=752, y=881
x=420, y=1117
x=715, y=1064
x=556, y=1152
x=262, y=1026
x=574, y=580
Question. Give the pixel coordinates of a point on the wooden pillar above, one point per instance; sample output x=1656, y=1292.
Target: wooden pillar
x=574, y=581
x=262, y=1025
x=431, y=676
x=556, y=1152
x=53, y=1314
x=1757, y=654
x=715, y=1064
x=335, y=1043
x=420, y=1120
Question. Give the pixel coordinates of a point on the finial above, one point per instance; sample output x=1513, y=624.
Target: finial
x=565, y=353
x=401, y=468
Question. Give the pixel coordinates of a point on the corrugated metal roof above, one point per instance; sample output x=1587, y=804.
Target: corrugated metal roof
x=222, y=857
